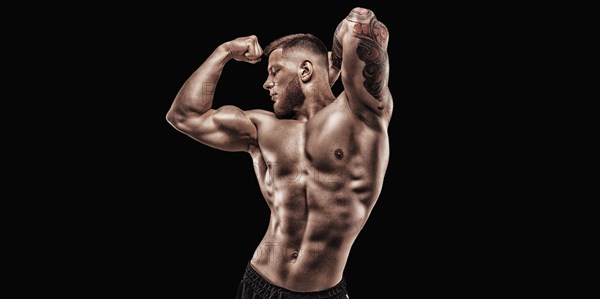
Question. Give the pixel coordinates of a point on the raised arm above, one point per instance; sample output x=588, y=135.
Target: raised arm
x=227, y=128
x=359, y=51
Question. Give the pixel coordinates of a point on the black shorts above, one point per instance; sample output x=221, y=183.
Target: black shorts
x=254, y=286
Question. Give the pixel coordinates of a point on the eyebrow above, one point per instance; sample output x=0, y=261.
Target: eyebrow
x=270, y=68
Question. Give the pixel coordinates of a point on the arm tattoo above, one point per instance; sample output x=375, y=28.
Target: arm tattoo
x=336, y=52
x=372, y=50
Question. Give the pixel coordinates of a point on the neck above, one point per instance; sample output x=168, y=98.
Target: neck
x=314, y=102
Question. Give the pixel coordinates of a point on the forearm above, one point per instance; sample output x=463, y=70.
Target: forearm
x=197, y=93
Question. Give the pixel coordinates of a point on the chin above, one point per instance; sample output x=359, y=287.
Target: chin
x=283, y=115
x=288, y=116
x=277, y=110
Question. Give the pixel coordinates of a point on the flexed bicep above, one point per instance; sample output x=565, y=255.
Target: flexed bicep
x=227, y=128
x=360, y=51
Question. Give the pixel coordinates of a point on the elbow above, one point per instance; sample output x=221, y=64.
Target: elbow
x=175, y=119
x=171, y=117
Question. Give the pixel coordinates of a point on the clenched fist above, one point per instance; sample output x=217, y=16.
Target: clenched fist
x=244, y=49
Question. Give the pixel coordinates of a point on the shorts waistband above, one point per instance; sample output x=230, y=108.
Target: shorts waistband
x=265, y=288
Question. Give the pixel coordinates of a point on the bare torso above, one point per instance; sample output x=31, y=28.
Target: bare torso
x=320, y=174
x=321, y=179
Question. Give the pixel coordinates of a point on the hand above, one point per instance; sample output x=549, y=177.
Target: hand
x=245, y=49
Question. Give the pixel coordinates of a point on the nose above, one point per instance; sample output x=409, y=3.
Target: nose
x=268, y=84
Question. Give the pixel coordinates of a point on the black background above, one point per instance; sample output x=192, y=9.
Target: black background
x=157, y=213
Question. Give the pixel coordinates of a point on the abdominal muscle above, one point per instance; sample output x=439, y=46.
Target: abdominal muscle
x=320, y=186
x=309, y=237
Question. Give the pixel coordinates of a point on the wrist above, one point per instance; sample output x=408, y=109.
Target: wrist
x=223, y=53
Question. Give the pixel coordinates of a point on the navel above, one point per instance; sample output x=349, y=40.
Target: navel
x=294, y=257
x=339, y=154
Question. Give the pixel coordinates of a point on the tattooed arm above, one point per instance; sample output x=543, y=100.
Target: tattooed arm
x=227, y=128
x=359, y=51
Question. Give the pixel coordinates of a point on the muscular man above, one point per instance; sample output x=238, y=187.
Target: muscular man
x=320, y=160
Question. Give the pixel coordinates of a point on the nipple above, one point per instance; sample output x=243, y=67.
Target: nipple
x=339, y=154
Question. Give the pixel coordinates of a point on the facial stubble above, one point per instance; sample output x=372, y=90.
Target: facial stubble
x=292, y=98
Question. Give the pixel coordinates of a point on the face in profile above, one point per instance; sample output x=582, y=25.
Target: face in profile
x=283, y=85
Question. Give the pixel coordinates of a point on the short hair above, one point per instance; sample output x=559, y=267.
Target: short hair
x=301, y=41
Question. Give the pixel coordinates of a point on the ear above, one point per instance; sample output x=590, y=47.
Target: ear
x=305, y=71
